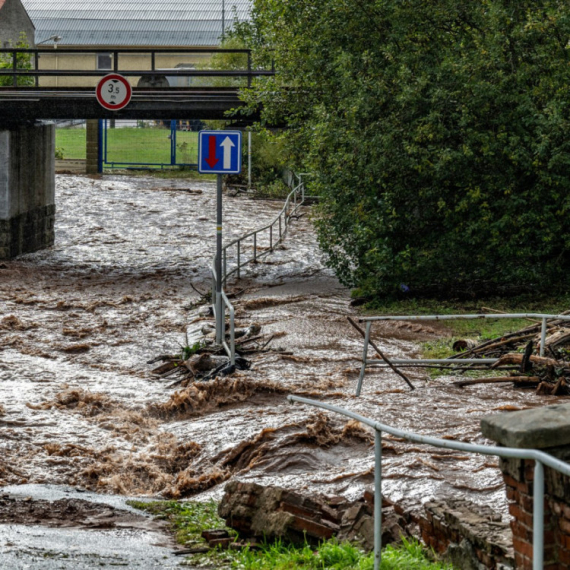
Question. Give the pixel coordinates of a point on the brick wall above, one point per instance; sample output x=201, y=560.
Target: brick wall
x=467, y=534
x=519, y=478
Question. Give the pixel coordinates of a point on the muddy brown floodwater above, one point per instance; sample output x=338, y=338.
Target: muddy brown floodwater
x=78, y=323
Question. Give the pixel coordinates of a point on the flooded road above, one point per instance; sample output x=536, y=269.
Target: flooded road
x=79, y=405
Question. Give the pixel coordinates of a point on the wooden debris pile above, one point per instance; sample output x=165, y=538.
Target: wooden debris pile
x=202, y=359
x=518, y=353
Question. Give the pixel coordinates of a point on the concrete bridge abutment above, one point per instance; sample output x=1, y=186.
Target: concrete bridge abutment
x=27, y=188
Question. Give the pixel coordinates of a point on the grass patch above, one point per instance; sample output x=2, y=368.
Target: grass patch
x=189, y=519
x=132, y=145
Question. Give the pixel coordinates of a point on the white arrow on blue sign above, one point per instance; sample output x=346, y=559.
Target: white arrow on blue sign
x=219, y=152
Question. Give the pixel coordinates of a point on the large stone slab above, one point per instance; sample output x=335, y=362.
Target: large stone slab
x=539, y=428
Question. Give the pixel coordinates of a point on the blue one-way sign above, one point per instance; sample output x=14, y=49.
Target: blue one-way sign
x=219, y=152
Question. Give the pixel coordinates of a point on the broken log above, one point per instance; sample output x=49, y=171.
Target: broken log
x=515, y=358
x=382, y=356
x=498, y=380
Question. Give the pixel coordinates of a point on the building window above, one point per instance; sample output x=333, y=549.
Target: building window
x=104, y=62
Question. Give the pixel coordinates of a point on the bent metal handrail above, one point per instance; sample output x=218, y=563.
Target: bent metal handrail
x=539, y=457
x=299, y=190
x=297, y=196
x=452, y=360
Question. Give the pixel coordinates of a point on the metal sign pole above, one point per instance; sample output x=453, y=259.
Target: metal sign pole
x=220, y=324
x=249, y=160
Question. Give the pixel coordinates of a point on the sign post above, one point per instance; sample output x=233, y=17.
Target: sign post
x=219, y=152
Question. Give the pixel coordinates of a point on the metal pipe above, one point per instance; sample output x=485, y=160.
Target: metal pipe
x=451, y=317
x=377, y=499
x=364, y=355
x=538, y=518
x=220, y=324
x=238, y=259
x=15, y=69
x=543, y=337
x=249, y=155
x=510, y=452
x=419, y=361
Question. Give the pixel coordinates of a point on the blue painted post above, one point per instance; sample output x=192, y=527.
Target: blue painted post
x=172, y=143
x=100, y=148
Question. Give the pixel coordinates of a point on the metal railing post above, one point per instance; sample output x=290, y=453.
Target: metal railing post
x=249, y=68
x=15, y=68
x=271, y=237
x=538, y=518
x=364, y=357
x=280, y=230
x=232, y=336
x=377, y=499
x=543, y=337
x=238, y=259
x=255, y=247
x=225, y=267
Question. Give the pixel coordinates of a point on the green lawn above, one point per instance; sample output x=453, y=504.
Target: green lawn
x=132, y=145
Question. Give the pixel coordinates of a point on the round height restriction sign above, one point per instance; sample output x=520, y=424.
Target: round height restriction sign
x=114, y=92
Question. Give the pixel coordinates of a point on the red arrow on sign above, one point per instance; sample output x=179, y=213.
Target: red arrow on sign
x=212, y=160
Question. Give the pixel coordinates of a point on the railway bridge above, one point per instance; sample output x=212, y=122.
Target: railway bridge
x=38, y=86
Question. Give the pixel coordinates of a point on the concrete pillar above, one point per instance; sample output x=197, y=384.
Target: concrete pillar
x=92, y=166
x=547, y=429
x=27, y=189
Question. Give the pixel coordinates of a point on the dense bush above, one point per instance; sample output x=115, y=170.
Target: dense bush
x=437, y=133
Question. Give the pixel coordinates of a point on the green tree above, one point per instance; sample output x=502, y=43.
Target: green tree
x=436, y=132
x=23, y=62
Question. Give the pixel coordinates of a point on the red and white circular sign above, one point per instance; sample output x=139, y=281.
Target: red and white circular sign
x=114, y=92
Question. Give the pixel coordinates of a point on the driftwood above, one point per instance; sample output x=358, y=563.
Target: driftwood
x=499, y=380
x=540, y=360
x=382, y=356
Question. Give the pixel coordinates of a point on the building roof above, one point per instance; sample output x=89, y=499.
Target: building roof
x=181, y=23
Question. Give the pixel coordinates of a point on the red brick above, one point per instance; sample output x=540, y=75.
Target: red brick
x=564, y=525
x=564, y=541
x=521, y=531
x=564, y=556
x=522, y=547
x=523, y=487
x=520, y=515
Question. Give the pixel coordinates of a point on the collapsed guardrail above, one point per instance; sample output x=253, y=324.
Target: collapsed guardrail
x=221, y=304
x=453, y=361
x=539, y=457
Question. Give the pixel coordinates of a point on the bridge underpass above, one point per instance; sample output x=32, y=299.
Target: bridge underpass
x=38, y=86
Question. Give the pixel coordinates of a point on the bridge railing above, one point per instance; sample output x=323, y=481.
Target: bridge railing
x=540, y=458
x=24, y=67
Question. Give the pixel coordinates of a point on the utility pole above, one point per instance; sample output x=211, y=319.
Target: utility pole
x=223, y=20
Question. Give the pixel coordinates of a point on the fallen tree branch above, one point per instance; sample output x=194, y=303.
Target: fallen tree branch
x=498, y=380
x=382, y=356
